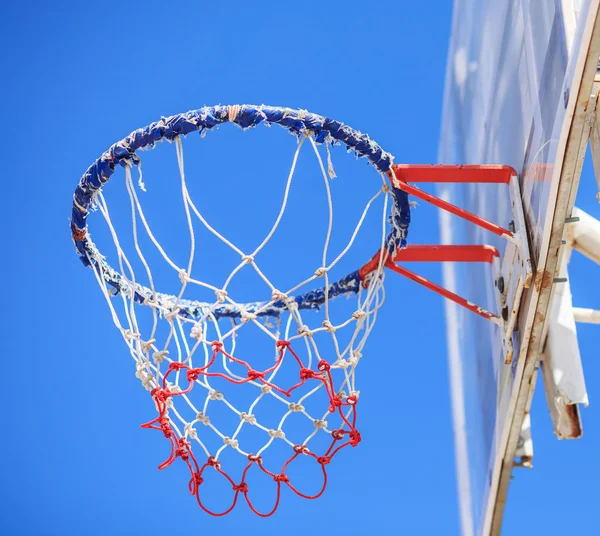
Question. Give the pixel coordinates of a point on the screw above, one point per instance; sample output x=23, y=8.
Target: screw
x=560, y=280
x=572, y=219
x=511, y=227
x=500, y=284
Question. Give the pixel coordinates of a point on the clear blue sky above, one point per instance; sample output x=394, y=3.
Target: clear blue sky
x=78, y=76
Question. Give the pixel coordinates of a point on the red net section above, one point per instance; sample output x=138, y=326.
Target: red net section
x=181, y=447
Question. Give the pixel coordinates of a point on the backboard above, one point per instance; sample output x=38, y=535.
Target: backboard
x=518, y=80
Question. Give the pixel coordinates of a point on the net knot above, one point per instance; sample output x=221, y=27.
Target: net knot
x=323, y=460
x=130, y=335
x=305, y=331
x=197, y=331
x=301, y=449
x=320, y=424
x=254, y=459
x=192, y=375
x=255, y=374
x=233, y=443
x=215, y=395
x=320, y=272
x=277, y=434
x=281, y=478
x=176, y=365
x=159, y=357
x=337, y=434
x=323, y=366
x=140, y=370
x=195, y=482
x=170, y=315
x=282, y=344
x=148, y=383
x=355, y=355
x=295, y=407
x=246, y=316
x=160, y=395
x=336, y=402
x=184, y=277
x=242, y=487
x=182, y=450
x=165, y=426
x=204, y=419
x=328, y=326
x=248, y=259
x=357, y=315
x=277, y=295
x=266, y=389
x=307, y=374
x=341, y=363
x=217, y=345
x=353, y=398
x=147, y=345
x=385, y=188
x=221, y=295
x=355, y=438
x=190, y=431
x=213, y=462
x=248, y=417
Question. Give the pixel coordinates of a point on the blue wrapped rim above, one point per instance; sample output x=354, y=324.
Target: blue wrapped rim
x=299, y=123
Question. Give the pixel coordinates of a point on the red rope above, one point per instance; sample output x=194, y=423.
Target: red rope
x=181, y=448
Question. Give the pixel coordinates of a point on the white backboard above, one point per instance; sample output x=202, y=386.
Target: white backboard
x=516, y=82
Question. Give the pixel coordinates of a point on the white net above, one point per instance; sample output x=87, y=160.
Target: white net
x=209, y=388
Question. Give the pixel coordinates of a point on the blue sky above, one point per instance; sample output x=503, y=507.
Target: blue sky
x=79, y=76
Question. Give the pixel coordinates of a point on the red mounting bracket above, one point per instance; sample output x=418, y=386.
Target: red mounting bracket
x=511, y=274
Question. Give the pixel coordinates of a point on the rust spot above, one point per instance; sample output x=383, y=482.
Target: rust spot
x=539, y=319
x=574, y=424
x=542, y=280
x=537, y=280
x=79, y=234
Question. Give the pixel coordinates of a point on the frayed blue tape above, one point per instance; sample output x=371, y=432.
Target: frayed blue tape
x=194, y=310
x=298, y=122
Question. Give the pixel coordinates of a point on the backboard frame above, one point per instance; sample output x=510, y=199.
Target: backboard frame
x=565, y=181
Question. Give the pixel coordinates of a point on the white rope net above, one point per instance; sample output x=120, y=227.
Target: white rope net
x=208, y=388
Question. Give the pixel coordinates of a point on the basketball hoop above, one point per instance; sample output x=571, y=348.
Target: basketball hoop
x=174, y=380
x=178, y=369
